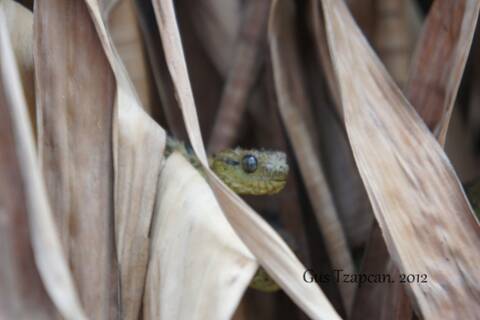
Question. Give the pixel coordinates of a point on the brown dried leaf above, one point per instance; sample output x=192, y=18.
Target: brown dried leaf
x=75, y=95
x=418, y=201
x=35, y=277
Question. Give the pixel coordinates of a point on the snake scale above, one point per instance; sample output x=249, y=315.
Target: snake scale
x=246, y=172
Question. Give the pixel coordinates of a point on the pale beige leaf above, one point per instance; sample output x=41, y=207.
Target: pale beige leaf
x=199, y=268
x=442, y=49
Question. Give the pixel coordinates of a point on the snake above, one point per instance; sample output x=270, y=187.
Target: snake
x=255, y=172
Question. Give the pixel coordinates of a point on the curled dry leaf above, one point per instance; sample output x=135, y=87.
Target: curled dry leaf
x=30, y=289
x=413, y=189
x=198, y=268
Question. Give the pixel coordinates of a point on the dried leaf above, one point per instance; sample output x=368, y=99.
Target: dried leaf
x=75, y=106
x=292, y=99
x=35, y=273
x=194, y=251
x=413, y=189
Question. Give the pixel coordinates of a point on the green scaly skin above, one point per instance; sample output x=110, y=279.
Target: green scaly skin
x=269, y=178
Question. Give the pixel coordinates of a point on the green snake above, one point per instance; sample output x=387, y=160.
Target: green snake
x=246, y=172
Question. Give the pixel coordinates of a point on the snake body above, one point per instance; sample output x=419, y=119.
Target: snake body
x=246, y=172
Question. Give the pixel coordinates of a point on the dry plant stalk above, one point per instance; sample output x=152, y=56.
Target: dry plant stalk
x=292, y=101
x=412, y=186
x=353, y=204
x=272, y=253
x=41, y=285
x=241, y=76
x=194, y=251
x=351, y=201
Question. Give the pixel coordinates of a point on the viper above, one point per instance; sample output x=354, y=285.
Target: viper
x=246, y=172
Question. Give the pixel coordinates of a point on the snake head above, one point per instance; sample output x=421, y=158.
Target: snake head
x=252, y=172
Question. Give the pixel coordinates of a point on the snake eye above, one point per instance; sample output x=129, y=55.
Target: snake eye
x=249, y=163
